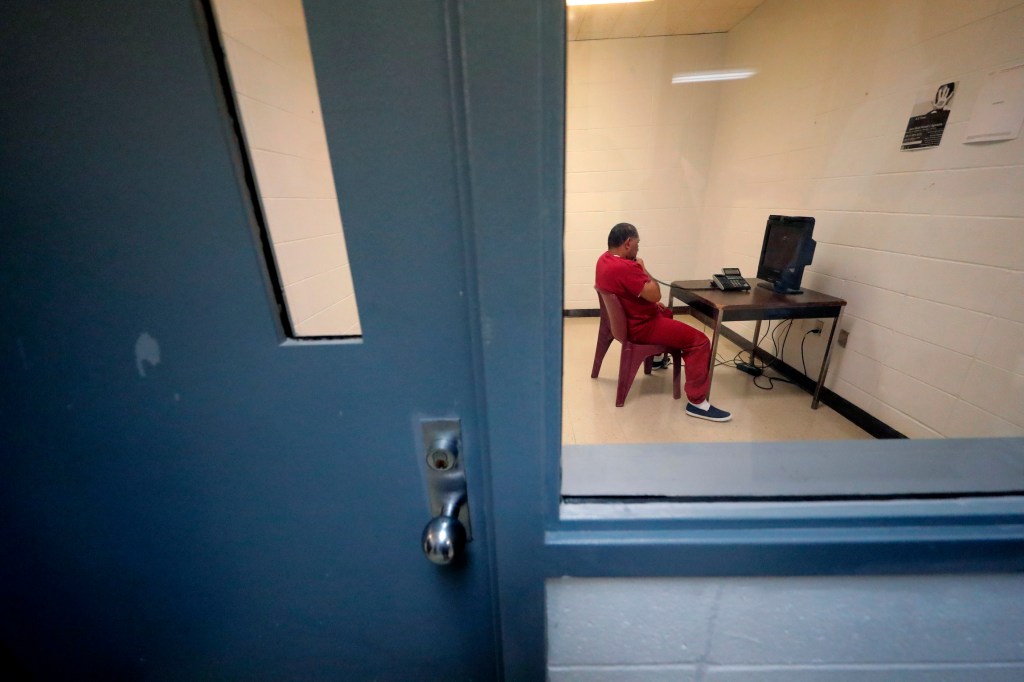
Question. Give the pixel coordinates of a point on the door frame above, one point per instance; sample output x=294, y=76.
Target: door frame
x=514, y=68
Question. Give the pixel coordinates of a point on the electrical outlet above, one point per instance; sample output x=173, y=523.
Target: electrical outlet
x=843, y=336
x=818, y=326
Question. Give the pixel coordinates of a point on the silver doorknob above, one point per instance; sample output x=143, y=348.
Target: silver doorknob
x=444, y=538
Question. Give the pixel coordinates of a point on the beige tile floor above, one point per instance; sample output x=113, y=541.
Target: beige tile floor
x=650, y=415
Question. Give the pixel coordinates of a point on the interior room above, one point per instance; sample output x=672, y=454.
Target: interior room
x=925, y=245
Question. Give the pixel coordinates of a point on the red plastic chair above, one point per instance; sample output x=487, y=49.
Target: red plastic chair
x=613, y=326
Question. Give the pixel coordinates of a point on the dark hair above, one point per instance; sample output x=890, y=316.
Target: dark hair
x=620, y=233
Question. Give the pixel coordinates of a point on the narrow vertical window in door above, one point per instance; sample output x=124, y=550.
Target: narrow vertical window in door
x=274, y=89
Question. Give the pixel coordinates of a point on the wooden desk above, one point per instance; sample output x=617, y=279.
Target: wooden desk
x=714, y=306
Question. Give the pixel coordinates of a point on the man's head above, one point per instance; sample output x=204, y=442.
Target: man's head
x=624, y=241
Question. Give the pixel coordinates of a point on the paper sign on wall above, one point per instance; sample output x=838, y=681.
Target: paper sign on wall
x=999, y=109
x=928, y=117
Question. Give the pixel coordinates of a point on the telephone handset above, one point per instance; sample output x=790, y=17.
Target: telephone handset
x=730, y=280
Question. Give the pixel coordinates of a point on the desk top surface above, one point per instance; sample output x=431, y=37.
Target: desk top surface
x=758, y=298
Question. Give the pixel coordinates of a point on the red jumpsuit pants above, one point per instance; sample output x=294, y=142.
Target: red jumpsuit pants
x=694, y=345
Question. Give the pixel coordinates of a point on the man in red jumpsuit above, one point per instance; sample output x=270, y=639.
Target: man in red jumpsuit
x=620, y=272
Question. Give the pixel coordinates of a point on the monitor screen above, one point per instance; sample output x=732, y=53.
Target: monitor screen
x=786, y=249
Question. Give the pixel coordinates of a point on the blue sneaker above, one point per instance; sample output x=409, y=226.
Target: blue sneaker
x=712, y=414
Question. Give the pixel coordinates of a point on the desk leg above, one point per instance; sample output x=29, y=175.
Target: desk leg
x=826, y=359
x=757, y=333
x=714, y=351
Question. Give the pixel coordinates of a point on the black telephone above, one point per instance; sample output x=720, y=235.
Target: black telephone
x=730, y=280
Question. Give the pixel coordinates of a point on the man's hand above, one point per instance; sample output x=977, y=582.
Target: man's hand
x=651, y=291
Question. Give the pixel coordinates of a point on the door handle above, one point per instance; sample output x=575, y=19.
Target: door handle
x=445, y=536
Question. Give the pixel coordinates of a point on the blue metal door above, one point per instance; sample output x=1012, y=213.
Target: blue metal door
x=185, y=493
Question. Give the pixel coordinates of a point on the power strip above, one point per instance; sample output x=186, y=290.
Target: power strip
x=749, y=369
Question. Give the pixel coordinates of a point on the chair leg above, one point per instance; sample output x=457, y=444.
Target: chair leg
x=604, y=340
x=629, y=363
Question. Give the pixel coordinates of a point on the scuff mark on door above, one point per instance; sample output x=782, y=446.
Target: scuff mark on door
x=146, y=350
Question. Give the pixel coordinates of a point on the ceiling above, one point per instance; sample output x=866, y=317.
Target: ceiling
x=656, y=18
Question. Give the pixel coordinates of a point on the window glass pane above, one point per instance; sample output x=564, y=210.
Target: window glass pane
x=924, y=243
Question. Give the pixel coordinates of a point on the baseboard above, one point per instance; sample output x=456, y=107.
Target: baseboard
x=872, y=425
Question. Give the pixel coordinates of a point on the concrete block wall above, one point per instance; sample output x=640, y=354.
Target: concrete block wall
x=637, y=150
x=275, y=88
x=847, y=629
x=926, y=246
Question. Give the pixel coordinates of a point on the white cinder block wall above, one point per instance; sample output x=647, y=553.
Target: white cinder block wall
x=637, y=151
x=927, y=247
x=272, y=73
x=840, y=629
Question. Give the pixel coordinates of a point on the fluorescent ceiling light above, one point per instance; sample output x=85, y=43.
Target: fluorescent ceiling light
x=706, y=76
x=574, y=3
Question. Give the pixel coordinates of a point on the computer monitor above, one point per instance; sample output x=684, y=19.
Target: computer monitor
x=786, y=249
